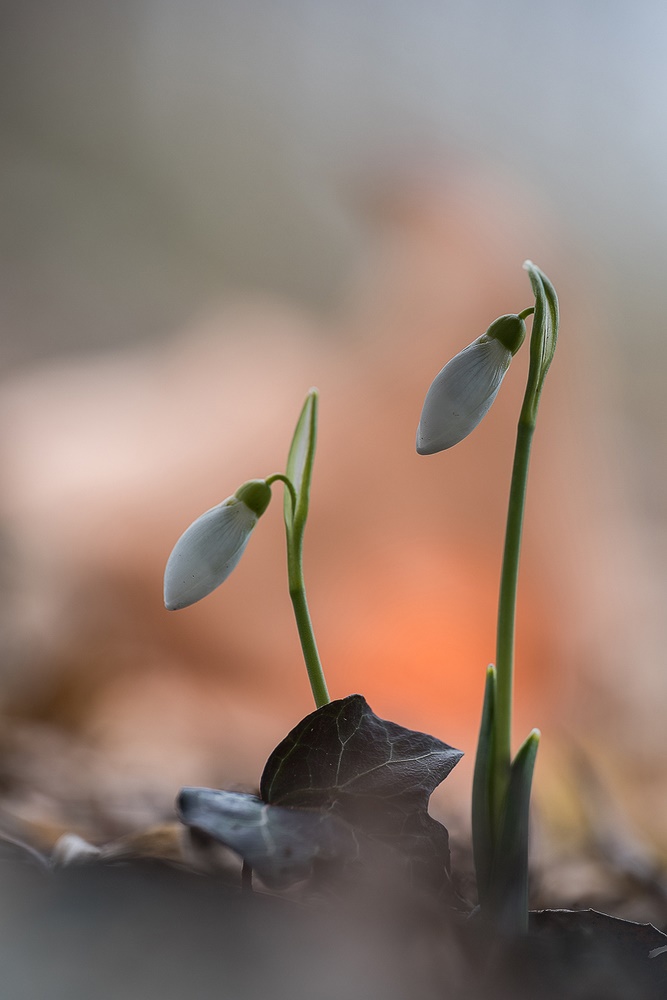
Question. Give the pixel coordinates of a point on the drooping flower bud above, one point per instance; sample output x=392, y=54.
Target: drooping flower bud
x=208, y=551
x=462, y=393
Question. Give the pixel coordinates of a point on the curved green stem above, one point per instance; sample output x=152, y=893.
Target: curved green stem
x=297, y=592
x=542, y=346
x=278, y=477
x=501, y=788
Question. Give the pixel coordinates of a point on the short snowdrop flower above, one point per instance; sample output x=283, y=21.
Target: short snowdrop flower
x=462, y=393
x=208, y=551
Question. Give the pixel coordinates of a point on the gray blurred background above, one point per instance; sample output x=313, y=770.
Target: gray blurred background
x=158, y=153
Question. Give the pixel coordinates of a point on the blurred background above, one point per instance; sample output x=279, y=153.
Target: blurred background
x=208, y=207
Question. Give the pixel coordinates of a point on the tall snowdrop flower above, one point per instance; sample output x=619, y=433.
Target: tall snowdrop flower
x=208, y=551
x=462, y=393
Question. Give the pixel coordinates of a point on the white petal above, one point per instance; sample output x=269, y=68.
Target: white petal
x=461, y=395
x=207, y=552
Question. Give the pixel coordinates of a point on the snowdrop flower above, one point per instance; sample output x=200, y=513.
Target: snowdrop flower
x=208, y=551
x=462, y=393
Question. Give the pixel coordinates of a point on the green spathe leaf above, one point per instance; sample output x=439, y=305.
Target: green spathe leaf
x=543, y=339
x=282, y=845
x=300, y=462
x=482, y=790
x=508, y=891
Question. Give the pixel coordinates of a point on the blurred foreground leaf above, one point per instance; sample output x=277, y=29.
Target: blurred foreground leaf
x=281, y=845
x=594, y=947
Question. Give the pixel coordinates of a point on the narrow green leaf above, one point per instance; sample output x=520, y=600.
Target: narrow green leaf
x=282, y=845
x=508, y=897
x=482, y=790
x=554, y=316
x=542, y=340
x=300, y=461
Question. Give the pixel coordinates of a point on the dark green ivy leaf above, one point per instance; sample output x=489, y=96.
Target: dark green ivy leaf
x=343, y=785
x=344, y=751
x=375, y=774
x=282, y=845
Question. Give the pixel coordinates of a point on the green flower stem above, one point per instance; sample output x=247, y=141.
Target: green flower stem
x=278, y=477
x=311, y=655
x=542, y=346
x=501, y=787
x=297, y=592
x=507, y=614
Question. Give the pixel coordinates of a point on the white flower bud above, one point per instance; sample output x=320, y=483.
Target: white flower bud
x=462, y=393
x=208, y=551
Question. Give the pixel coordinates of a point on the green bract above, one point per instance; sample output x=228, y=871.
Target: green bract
x=510, y=330
x=255, y=494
